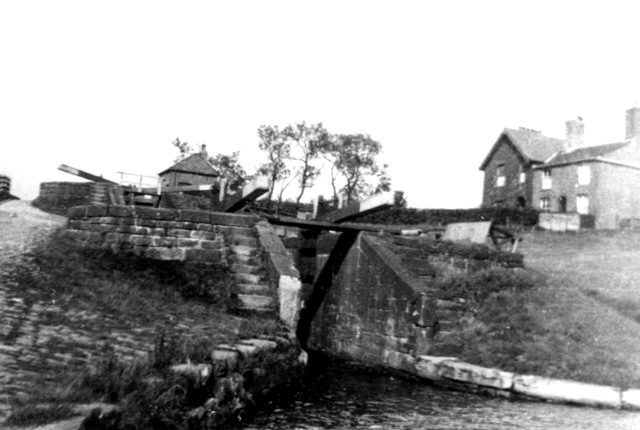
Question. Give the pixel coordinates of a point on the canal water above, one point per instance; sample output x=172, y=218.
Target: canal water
x=341, y=396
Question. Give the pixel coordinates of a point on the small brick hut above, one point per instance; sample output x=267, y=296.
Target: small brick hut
x=193, y=170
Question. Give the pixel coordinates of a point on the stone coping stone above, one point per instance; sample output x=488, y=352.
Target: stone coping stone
x=470, y=373
x=443, y=369
x=567, y=391
x=262, y=344
x=162, y=214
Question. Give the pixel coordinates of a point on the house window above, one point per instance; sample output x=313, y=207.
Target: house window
x=546, y=179
x=545, y=204
x=584, y=174
x=500, y=178
x=582, y=204
x=523, y=177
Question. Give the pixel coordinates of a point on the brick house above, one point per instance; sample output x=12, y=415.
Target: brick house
x=193, y=170
x=508, y=179
x=600, y=180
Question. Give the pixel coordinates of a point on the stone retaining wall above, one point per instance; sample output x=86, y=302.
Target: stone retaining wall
x=161, y=234
x=369, y=309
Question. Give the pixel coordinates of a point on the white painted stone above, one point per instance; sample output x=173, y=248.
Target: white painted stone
x=567, y=391
x=289, y=289
x=386, y=198
x=631, y=399
x=427, y=366
x=257, y=183
x=411, y=232
x=470, y=373
x=303, y=358
x=246, y=350
x=199, y=372
x=262, y=344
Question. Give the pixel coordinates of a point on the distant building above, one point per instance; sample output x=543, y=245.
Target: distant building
x=508, y=179
x=600, y=180
x=193, y=170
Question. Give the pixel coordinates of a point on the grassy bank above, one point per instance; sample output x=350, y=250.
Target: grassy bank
x=571, y=314
x=183, y=307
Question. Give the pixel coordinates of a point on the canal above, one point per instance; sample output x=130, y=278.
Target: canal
x=338, y=395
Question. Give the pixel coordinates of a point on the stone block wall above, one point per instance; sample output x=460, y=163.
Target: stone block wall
x=371, y=310
x=60, y=196
x=160, y=234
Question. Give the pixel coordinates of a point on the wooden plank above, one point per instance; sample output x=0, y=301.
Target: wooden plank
x=355, y=210
x=322, y=225
x=85, y=175
x=178, y=188
x=250, y=192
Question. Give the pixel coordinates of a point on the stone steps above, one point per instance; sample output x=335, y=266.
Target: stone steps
x=255, y=289
x=248, y=241
x=245, y=268
x=251, y=292
x=247, y=278
x=255, y=303
x=249, y=251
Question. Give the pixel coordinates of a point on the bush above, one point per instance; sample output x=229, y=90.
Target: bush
x=440, y=217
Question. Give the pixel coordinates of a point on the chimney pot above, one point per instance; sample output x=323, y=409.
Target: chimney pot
x=633, y=123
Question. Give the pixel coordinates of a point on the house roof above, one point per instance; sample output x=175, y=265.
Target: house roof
x=529, y=144
x=582, y=154
x=195, y=163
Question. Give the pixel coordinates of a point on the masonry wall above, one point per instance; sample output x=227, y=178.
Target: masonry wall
x=618, y=196
x=613, y=192
x=370, y=312
x=508, y=194
x=173, y=178
x=160, y=234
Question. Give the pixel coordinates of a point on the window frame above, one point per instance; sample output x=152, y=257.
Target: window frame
x=584, y=174
x=582, y=204
x=545, y=204
x=547, y=179
x=501, y=177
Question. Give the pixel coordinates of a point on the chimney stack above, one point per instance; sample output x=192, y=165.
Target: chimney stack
x=633, y=123
x=203, y=151
x=575, y=133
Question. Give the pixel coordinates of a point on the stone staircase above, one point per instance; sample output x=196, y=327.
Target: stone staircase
x=251, y=291
x=449, y=310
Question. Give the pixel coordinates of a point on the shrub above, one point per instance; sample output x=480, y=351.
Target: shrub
x=440, y=217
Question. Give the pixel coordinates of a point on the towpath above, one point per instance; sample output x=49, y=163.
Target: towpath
x=37, y=337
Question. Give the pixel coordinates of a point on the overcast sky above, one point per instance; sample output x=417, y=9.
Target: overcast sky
x=106, y=86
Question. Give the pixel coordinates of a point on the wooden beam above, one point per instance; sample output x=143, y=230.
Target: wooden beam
x=354, y=210
x=323, y=225
x=85, y=175
x=177, y=188
x=250, y=192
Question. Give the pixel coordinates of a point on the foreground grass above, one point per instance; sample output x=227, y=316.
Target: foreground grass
x=184, y=305
x=573, y=313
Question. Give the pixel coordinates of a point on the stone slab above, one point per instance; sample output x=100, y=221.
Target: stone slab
x=470, y=373
x=474, y=232
x=567, y=391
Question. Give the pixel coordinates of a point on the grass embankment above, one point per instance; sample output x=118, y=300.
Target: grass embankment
x=185, y=306
x=573, y=313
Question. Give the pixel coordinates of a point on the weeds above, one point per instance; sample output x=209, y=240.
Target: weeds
x=183, y=304
x=35, y=414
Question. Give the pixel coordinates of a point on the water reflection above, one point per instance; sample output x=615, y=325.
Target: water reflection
x=340, y=396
